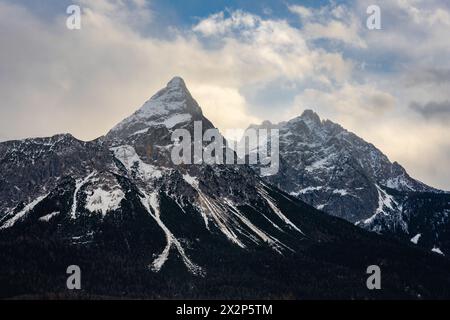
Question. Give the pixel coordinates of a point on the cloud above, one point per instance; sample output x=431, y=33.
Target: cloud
x=433, y=110
x=413, y=31
x=336, y=30
x=423, y=149
x=430, y=77
x=271, y=48
x=301, y=11
x=332, y=22
x=134, y=14
x=351, y=105
x=217, y=24
x=55, y=80
x=226, y=104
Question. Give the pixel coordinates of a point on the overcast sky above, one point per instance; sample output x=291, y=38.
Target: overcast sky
x=244, y=61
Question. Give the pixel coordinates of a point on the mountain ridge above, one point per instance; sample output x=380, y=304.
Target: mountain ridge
x=140, y=226
x=336, y=171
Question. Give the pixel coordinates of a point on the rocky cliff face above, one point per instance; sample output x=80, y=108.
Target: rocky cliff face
x=32, y=167
x=335, y=171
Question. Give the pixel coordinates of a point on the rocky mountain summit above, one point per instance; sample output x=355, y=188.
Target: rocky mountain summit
x=336, y=171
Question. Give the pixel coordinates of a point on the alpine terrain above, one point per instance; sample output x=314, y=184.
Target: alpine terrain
x=139, y=226
x=335, y=171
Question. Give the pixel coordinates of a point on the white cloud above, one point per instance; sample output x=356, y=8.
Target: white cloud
x=270, y=48
x=301, y=11
x=333, y=22
x=226, y=105
x=347, y=33
x=217, y=24
x=350, y=105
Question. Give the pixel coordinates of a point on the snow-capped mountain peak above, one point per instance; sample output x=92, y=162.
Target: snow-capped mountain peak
x=175, y=97
x=169, y=107
x=177, y=83
x=334, y=170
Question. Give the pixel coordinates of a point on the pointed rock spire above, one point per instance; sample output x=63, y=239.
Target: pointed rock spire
x=177, y=82
x=169, y=106
x=310, y=116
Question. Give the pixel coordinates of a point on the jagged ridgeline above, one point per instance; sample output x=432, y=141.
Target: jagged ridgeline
x=335, y=171
x=140, y=226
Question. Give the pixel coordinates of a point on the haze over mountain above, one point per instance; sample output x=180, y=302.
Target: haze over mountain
x=140, y=226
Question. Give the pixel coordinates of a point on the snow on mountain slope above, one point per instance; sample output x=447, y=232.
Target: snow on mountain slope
x=422, y=217
x=121, y=207
x=170, y=106
x=213, y=194
x=103, y=201
x=32, y=167
x=12, y=218
x=334, y=170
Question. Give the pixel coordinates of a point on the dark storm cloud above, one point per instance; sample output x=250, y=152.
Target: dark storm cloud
x=432, y=110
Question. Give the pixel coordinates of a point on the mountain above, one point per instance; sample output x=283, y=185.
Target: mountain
x=140, y=226
x=335, y=171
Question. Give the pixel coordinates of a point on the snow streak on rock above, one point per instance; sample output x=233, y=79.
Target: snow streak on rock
x=151, y=203
x=277, y=211
x=387, y=206
x=79, y=184
x=9, y=223
x=48, y=217
x=231, y=222
x=437, y=250
x=274, y=243
x=209, y=208
x=416, y=238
